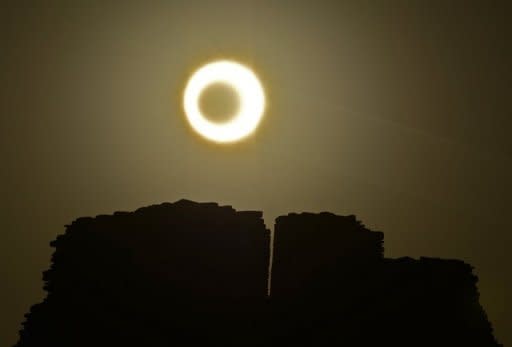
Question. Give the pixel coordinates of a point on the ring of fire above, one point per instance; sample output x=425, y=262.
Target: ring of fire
x=250, y=92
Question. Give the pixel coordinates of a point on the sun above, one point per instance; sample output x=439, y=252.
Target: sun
x=251, y=101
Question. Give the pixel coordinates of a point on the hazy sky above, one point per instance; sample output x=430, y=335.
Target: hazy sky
x=396, y=111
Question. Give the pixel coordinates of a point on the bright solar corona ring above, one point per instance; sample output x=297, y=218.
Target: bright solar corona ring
x=251, y=96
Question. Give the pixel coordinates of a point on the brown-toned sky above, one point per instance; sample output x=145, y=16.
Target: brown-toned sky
x=398, y=112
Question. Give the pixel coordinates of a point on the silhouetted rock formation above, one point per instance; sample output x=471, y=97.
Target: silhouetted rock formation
x=182, y=274
x=195, y=274
x=310, y=249
x=331, y=286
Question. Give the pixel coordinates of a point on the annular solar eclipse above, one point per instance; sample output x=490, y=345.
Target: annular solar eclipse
x=251, y=101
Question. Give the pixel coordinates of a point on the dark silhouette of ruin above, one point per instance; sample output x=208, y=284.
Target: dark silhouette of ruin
x=195, y=274
x=332, y=286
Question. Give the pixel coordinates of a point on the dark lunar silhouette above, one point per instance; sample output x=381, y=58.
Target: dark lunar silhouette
x=195, y=274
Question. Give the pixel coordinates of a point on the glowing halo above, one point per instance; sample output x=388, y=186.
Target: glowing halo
x=250, y=92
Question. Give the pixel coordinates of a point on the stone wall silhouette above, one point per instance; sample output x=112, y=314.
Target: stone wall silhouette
x=312, y=248
x=195, y=274
x=332, y=286
x=179, y=274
